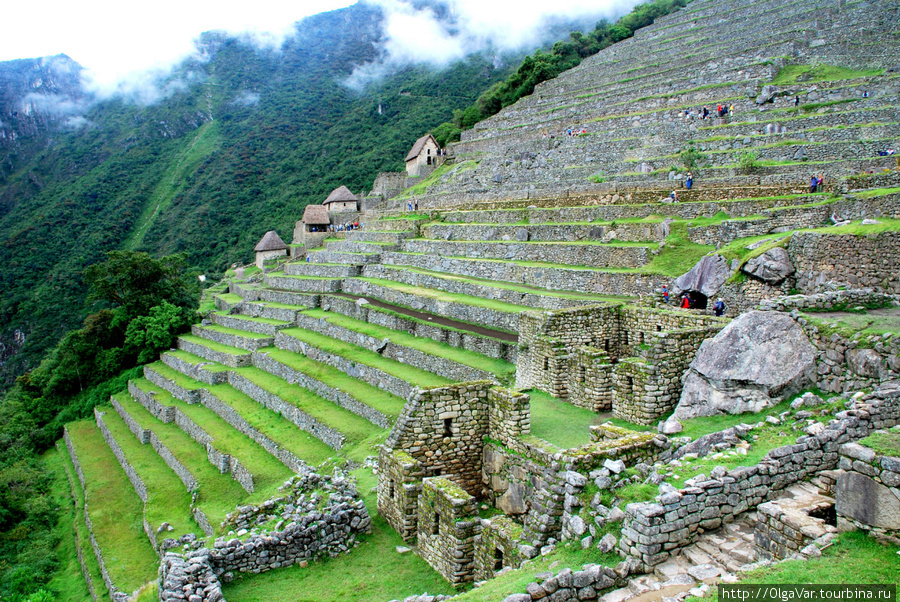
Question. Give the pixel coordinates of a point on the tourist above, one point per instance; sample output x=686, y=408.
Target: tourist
x=689, y=181
x=820, y=184
x=674, y=196
x=796, y=100
x=665, y=294
x=719, y=307
x=409, y=206
x=685, y=301
x=813, y=184
x=731, y=111
x=417, y=204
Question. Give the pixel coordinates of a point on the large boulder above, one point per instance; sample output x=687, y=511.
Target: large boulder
x=773, y=266
x=753, y=363
x=707, y=276
x=867, y=501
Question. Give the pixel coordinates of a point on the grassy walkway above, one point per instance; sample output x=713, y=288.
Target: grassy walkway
x=268, y=473
x=168, y=500
x=219, y=493
x=388, y=404
x=354, y=353
x=115, y=509
x=501, y=368
x=353, y=427
x=68, y=584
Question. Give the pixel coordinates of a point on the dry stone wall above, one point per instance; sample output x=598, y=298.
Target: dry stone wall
x=88, y=579
x=195, y=371
x=580, y=255
x=867, y=492
x=447, y=527
x=465, y=340
x=653, y=531
x=854, y=261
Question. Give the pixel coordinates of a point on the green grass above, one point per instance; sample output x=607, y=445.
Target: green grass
x=195, y=360
x=230, y=298
x=269, y=321
x=219, y=493
x=268, y=472
x=284, y=433
x=388, y=404
x=883, y=444
x=171, y=374
x=504, y=370
x=678, y=255
x=372, y=571
x=448, y=297
x=567, y=554
x=790, y=74
x=213, y=345
x=868, y=194
x=168, y=500
x=235, y=332
x=115, y=509
x=353, y=427
x=68, y=584
x=415, y=376
x=560, y=423
x=855, y=558
x=849, y=325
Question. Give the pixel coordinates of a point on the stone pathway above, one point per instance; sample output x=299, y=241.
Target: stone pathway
x=717, y=557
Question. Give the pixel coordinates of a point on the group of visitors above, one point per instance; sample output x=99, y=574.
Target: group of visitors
x=576, y=132
x=687, y=302
x=347, y=226
x=413, y=205
x=816, y=184
x=722, y=111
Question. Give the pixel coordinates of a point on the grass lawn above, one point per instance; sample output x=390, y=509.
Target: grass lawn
x=388, y=404
x=503, y=369
x=115, y=509
x=68, y=584
x=236, y=332
x=196, y=360
x=560, y=423
x=269, y=321
x=849, y=325
x=372, y=571
x=209, y=344
x=353, y=427
x=884, y=444
x=415, y=376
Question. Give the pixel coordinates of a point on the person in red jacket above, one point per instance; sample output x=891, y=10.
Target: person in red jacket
x=685, y=301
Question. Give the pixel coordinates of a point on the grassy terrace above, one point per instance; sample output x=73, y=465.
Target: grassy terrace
x=446, y=297
x=269, y=321
x=115, y=509
x=386, y=403
x=168, y=500
x=67, y=584
x=230, y=298
x=520, y=288
x=353, y=427
x=503, y=370
x=195, y=360
x=560, y=423
x=354, y=353
x=268, y=473
x=235, y=332
x=283, y=275
x=219, y=493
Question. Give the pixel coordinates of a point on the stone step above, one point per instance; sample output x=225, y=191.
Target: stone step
x=305, y=284
x=231, y=337
x=274, y=311
x=178, y=385
x=255, y=325
x=392, y=237
x=321, y=270
x=284, y=297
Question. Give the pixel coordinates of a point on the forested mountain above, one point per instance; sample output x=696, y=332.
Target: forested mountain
x=240, y=141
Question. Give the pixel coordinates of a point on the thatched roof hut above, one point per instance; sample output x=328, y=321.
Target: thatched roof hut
x=315, y=215
x=341, y=194
x=270, y=242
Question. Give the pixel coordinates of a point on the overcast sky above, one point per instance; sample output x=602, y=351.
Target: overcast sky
x=115, y=40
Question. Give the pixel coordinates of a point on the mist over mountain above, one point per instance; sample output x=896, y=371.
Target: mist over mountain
x=204, y=159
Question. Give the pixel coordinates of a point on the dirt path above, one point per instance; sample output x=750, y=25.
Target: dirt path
x=496, y=334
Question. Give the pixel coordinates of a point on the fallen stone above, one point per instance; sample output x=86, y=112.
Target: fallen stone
x=706, y=277
x=773, y=266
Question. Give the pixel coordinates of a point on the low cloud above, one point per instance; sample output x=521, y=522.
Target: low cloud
x=440, y=35
x=245, y=98
x=54, y=105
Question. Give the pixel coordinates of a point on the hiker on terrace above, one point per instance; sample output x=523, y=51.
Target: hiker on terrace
x=685, y=301
x=665, y=294
x=813, y=184
x=689, y=181
x=820, y=184
x=796, y=100
x=719, y=307
x=674, y=196
x=731, y=111
x=705, y=113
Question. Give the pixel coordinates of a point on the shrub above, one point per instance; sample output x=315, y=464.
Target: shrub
x=748, y=160
x=690, y=157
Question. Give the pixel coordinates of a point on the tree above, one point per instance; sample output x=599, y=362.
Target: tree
x=148, y=335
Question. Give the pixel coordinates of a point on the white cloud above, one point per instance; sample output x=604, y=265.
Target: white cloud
x=245, y=98
x=419, y=35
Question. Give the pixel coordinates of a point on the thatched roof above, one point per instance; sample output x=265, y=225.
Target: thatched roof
x=316, y=215
x=270, y=242
x=341, y=194
x=418, y=146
